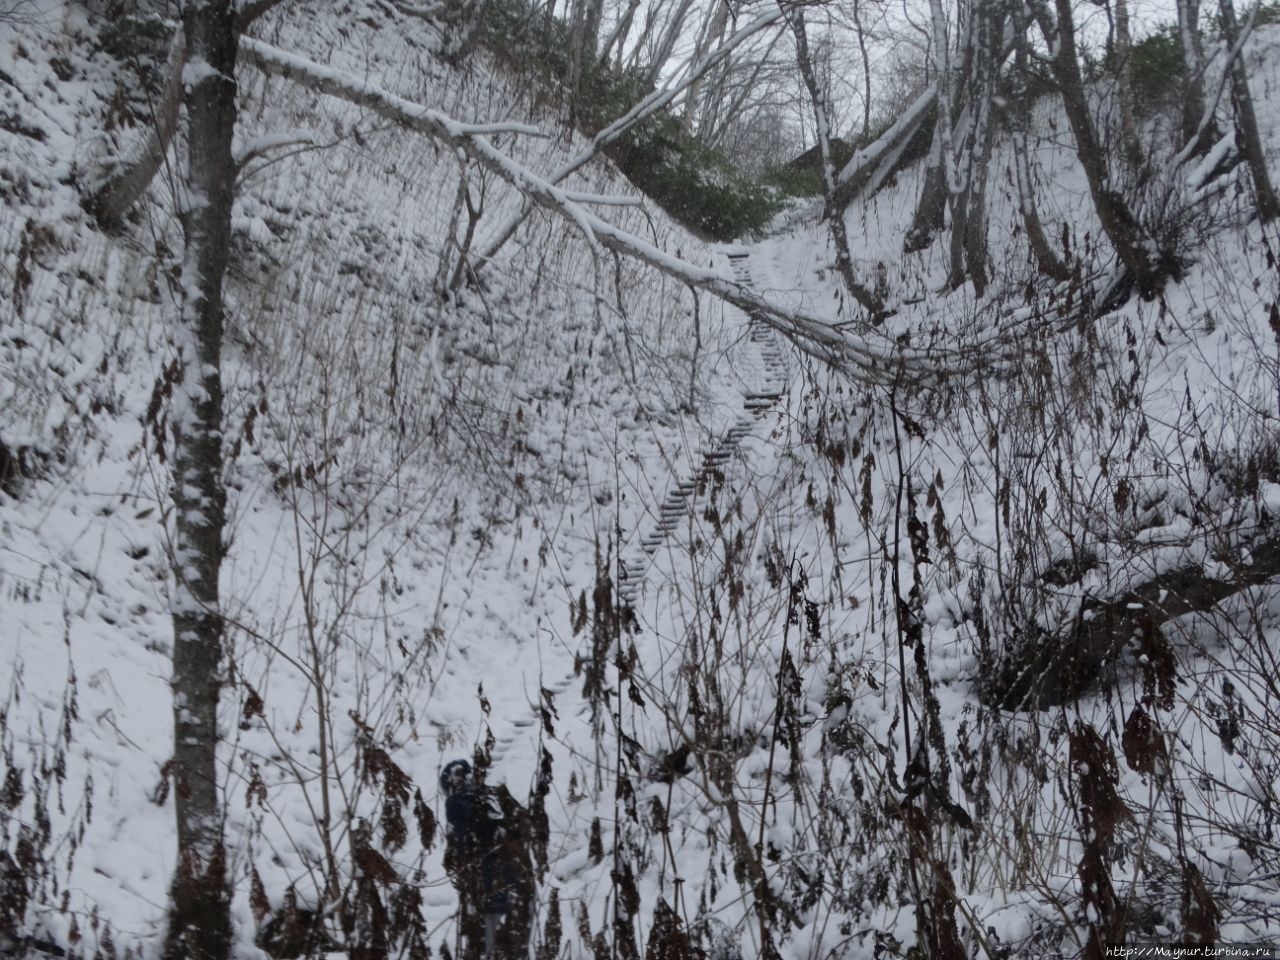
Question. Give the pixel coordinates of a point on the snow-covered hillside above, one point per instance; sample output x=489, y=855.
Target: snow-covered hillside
x=789, y=736
x=420, y=487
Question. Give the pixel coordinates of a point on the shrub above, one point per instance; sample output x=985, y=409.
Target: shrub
x=790, y=182
x=696, y=185
x=1154, y=61
x=1156, y=69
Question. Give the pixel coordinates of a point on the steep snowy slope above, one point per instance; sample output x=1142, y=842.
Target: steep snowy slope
x=421, y=484
x=789, y=740
x=912, y=537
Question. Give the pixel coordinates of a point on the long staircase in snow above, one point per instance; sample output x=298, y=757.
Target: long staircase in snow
x=767, y=385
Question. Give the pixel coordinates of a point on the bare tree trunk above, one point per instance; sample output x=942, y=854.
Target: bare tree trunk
x=1124, y=81
x=941, y=54
x=975, y=228
x=866, y=70
x=940, y=177
x=723, y=101
x=1047, y=260
x=958, y=158
x=711, y=34
x=1193, y=88
x=835, y=215
x=124, y=187
x=1145, y=265
x=584, y=37
x=1248, y=141
x=969, y=200
x=931, y=208
x=618, y=37
x=667, y=42
x=199, y=923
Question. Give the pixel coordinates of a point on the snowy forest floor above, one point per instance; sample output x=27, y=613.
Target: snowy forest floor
x=780, y=731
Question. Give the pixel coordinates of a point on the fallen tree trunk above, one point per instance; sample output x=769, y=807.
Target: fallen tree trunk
x=870, y=357
x=907, y=139
x=1047, y=670
x=112, y=198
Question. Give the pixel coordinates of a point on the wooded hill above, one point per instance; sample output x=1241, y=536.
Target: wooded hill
x=897, y=579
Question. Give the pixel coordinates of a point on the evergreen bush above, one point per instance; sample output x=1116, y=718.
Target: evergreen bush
x=697, y=185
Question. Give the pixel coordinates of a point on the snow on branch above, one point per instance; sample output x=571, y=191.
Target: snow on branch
x=883, y=361
x=260, y=146
x=1211, y=106
x=864, y=164
x=345, y=86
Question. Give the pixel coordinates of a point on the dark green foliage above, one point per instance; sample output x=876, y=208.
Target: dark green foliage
x=1156, y=67
x=695, y=184
x=140, y=42
x=791, y=182
x=135, y=35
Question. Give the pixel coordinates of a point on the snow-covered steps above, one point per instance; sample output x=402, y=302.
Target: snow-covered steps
x=767, y=386
x=768, y=378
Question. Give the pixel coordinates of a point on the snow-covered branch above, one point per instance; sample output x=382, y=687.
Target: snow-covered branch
x=870, y=357
x=885, y=151
x=261, y=146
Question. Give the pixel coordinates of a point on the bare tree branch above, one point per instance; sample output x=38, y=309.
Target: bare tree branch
x=872, y=357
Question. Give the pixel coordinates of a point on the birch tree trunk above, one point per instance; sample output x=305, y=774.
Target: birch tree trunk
x=1193, y=67
x=618, y=37
x=861, y=34
x=835, y=215
x=666, y=43
x=969, y=195
x=694, y=108
x=940, y=176
x=199, y=923
x=1047, y=261
x=1124, y=82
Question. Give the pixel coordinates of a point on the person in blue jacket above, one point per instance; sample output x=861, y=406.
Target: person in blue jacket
x=487, y=857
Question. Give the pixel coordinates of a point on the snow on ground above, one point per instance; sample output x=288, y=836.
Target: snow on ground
x=418, y=489
x=427, y=490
